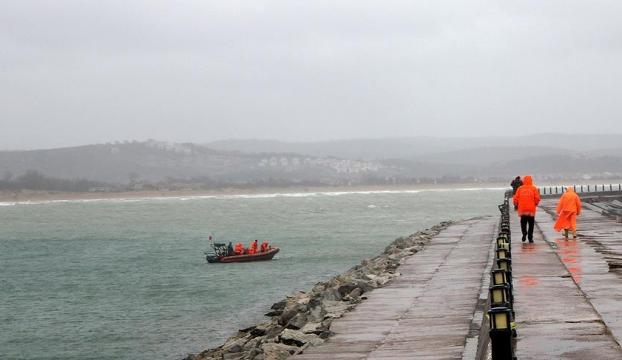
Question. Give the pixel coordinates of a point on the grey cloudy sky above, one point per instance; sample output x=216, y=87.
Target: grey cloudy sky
x=77, y=72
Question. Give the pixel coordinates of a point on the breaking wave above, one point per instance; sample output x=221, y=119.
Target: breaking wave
x=244, y=196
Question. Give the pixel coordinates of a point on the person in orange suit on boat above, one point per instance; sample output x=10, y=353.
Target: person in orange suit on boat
x=253, y=248
x=264, y=246
x=238, y=249
x=568, y=208
x=526, y=199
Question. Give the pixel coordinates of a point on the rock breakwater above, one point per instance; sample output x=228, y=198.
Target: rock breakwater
x=304, y=319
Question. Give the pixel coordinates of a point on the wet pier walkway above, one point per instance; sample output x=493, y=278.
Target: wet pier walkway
x=567, y=296
x=432, y=311
x=555, y=318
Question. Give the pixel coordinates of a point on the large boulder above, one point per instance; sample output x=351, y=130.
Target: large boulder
x=378, y=280
x=287, y=315
x=252, y=344
x=235, y=344
x=273, y=331
x=364, y=285
x=297, y=321
x=336, y=309
x=317, y=328
x=298, y=338
x=260, y=330
x=346, y=288
x=355, y=293
x=316, y=313
x=274, y=351
x=311, y=328
x=272, y=313
x=279, y=305
x=332, y=293
x=302, y=298
x=255, y=354
x=233, y=356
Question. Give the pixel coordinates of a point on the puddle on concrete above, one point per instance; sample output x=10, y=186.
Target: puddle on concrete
x=569, y=252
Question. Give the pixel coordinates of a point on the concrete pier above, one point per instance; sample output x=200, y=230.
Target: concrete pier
x=555, y=318
x=568, y=297
x=430, y=312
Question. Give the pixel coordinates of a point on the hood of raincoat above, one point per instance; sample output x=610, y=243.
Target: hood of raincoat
x=569, y=189
x=527, y=180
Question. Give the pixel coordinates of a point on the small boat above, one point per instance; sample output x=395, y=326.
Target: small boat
x=222, y=254
x=260, y=256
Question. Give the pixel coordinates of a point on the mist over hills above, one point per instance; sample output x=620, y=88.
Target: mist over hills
x=425, y=147
x=250, y=163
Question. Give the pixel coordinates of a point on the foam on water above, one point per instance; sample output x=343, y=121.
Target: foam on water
x=245, y=196
x=127, y=278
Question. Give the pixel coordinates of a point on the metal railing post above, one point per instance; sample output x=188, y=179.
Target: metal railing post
x=500, y=313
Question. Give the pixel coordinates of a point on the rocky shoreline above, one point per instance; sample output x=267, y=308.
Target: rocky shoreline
x=303, y=319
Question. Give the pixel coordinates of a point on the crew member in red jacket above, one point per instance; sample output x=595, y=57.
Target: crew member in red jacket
x=238, y=249
x=526, y=199
x=264, y=246
x=253, y=248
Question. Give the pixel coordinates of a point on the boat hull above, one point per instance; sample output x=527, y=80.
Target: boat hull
x=261, y=256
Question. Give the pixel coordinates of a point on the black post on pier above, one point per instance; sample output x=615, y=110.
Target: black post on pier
x=501, y=333
x=501, y=298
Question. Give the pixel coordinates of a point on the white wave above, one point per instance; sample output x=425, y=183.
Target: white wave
x=67, y=201
x=468, y=189
x=246, y=196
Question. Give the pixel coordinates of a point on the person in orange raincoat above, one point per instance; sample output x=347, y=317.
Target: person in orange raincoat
x=568, y=208
x=238, y=249
x=253, y=248
x=264, y=246
x=525, y=200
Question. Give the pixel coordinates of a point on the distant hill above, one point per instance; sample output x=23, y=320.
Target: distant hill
x=155, y=161
x=422, y=147
x=349, y=162
x=120, y=163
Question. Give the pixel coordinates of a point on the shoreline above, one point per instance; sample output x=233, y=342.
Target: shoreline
x=36, y=196
x=27, y=196
x=304, y=318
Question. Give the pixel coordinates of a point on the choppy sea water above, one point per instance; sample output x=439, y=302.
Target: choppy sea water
x=121, y=279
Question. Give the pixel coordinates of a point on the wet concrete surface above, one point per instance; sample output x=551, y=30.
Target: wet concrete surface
x=429, y=311
x=568, y=296
x=592, y=261
x=565, y=296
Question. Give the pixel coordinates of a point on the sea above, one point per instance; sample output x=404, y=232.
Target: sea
x=128, y=278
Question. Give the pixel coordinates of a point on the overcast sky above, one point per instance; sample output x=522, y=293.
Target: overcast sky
x=78, y=72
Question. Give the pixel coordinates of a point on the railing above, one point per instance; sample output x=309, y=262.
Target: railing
x=501, y=298
x=584, y=189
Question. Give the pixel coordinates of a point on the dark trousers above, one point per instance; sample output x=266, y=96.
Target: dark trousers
x=524, y=221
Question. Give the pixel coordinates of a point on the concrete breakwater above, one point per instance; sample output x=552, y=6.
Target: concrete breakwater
x=304, y=319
